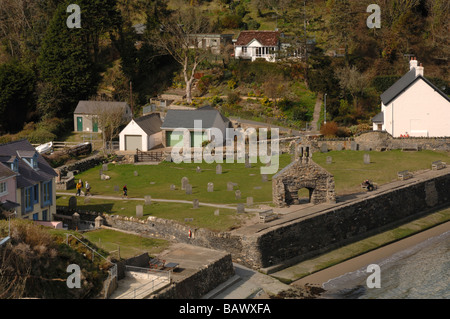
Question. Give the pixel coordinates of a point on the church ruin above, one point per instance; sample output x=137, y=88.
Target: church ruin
x=302, y=173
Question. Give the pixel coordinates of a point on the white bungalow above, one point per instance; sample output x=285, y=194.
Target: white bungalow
x=143, y=133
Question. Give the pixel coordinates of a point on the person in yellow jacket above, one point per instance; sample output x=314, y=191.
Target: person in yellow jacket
x=79, y=185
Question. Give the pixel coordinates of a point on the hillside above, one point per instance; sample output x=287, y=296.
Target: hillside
x=33, y=264
x=45, y=68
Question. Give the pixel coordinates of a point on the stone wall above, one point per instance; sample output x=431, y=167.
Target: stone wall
x=201, y=282
x=303, y=238
x=82, y=165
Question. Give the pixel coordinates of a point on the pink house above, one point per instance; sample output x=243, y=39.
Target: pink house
x=8, y=186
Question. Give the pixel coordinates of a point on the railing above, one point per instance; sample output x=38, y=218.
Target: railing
x=161, y=280
x=149, y=156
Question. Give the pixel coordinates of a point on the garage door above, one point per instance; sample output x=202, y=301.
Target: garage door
x=132, y=142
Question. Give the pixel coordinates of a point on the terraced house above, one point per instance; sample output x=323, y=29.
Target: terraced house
x=27, y=182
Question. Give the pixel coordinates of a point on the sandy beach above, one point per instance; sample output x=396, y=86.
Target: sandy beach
x=321, y=277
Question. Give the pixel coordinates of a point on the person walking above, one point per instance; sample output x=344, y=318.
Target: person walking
x=125, y=191
x=88, y=189
x=79, y=185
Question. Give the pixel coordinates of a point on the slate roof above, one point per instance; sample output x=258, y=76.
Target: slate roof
x=185, y=118
x=5, y=172
x=403, y=84
x=266, y=38
x=90, y=107
x=27, y=175
x=150, y=123
x=379, y=118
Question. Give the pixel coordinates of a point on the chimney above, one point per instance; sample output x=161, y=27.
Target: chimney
x=419, y=70
x=413, y=64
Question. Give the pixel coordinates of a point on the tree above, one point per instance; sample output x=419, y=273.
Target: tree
x=175, y=37
x=17, y=84
x=64, y=62
x=353, y=81
x=110, y=120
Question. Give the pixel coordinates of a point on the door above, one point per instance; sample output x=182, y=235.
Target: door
x=79, y=124
x=172, y=139
x=133, y=142
x=94, y=126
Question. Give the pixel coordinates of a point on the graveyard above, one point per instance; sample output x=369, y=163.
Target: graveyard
x=178, y=191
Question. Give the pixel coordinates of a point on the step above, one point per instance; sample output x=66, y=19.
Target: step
x=222, y=287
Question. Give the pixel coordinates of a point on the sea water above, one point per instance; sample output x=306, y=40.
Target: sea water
x=420, y=272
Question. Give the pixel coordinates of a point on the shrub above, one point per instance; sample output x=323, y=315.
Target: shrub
x=329, y=129
x=233, y=98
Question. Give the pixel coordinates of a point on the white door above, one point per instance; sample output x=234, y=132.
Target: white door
x=133, y=142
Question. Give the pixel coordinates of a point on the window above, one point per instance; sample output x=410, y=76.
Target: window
x=36, y=216
x=3, y=188
x=44, y=215
x=15, y=165
x=47, y=193
x=28, y=199
x=36, y=194
x=244, y=49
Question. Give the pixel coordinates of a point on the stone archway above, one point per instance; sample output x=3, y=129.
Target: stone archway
x=300, y=174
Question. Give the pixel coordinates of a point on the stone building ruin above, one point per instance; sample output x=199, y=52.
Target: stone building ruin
x=302, y=173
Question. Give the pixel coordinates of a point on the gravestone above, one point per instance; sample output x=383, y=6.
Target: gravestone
x=75, y=220
x=188, y=189
x=136, y=173
x=199, y=170
x=87, y=200
x=172, y=187
x=247, y=162
x=188, y=220
x=210, y=187
x=324, y=148
x=98, y=222
x=148, y=200
x=354, y=146
x=216, y=212
x=329, y=160
x=100, y=173
x=72, y=202
x=366, y=158
x=339, y=147
x=237, y=194
x=139, y=211
x=195, y=203
x=219, y=169
x=249, y=201
x=105, y=167
x=230, y=186
x=240, y=208
x=264, y=177
x=116, y=188
x=184, y=182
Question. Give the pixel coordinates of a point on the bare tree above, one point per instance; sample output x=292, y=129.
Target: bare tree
x=109, y=119
x=353, y=81
x=177, y=38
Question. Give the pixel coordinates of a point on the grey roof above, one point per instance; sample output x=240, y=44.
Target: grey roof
x=27, y=175
x=90, y=107
x=150, y=123
x=379, y=118
x=5, y=172
x=403, y=84
x=185, y=118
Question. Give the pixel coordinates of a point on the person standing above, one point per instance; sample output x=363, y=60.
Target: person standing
x=125, y=191
x=79, y=185
x=88, y=189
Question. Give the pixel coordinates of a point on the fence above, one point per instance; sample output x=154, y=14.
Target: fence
x=149, y=156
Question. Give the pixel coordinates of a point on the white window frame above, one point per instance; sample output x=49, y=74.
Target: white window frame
x=3, y=188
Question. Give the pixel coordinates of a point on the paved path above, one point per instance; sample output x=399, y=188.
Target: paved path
x=316, y=115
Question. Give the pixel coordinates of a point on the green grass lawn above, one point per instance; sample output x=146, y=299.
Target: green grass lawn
x=129, y=245
x=350, y=171
x=155, y=180
x=201, y=217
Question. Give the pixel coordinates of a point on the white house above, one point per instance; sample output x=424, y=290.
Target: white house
x=254, y=45
x=143, y=133
x=414, y=107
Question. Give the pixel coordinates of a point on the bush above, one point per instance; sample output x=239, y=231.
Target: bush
x=329, y=129
x=233, y=98
x=41, y=136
